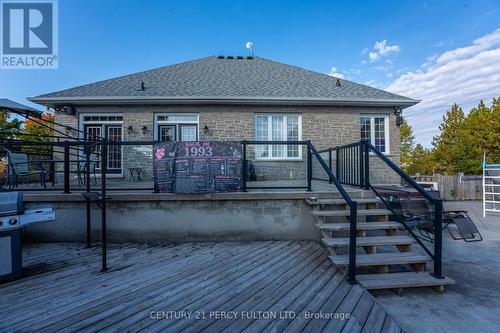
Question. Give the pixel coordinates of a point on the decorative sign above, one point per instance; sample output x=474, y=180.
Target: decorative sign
x=198, y=167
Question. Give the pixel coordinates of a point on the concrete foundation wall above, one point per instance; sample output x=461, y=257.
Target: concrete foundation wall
x=180, y=221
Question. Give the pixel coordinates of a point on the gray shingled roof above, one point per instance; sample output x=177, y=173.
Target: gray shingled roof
x=212, y=78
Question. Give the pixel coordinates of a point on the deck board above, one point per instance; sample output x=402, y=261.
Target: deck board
x=65, y=292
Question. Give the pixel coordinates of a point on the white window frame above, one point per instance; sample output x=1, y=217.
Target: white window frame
x=270, y=135
x=168, y=122
x=81, y=127
x=372, y=129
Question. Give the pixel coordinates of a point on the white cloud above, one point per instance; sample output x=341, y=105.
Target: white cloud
x=443, y=43
x=364, y=50
x=463, y=75
x=384, y=49
x=381, y=49
x=373, y=56
x=333, y=72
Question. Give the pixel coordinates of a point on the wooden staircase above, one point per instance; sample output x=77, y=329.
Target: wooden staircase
x=385, y=259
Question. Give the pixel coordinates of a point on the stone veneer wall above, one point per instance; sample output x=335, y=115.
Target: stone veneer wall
x=324, y=126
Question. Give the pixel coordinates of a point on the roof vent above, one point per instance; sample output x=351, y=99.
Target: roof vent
x=220, y=57
x=338, y=82
x=143, y=87
x=230, y=57
x=240, y=57
x=249, y=57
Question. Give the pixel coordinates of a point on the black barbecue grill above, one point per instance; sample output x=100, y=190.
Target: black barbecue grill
x=13, y=217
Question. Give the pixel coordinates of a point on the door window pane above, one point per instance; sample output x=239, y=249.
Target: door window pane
x=94, y=134
x=188, y=133
x=114, y=151
x=167, y=133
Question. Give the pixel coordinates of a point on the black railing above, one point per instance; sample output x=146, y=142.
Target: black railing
x=353, y=207
x=351, y=164
x=437, y=203
x=73, y=153
x=347, y=165
x=269, y=145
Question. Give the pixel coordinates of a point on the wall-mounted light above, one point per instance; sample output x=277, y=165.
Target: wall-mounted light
x=70, y=131
x=205, y=130
x=130, y=129
x=144, y=129
x=399, y=118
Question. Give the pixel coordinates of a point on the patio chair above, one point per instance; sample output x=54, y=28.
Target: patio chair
x=19, y=166
x=414, y=213
x=81, y=170
x=463, y=226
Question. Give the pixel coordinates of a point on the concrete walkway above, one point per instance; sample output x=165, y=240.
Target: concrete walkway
x=473, y=303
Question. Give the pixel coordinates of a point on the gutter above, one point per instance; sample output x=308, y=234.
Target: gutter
x=229, y=100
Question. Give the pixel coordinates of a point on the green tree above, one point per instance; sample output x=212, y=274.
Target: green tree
x=422, y=161
x=40, y=129
x=447, y=144
x=479, y=133
x=8, y=127
x=407, y=145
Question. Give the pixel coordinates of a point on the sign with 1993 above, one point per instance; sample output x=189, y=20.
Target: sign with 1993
x=198, y=167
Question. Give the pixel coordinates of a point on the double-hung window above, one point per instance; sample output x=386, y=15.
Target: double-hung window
x=278, y=127
x=375, y=128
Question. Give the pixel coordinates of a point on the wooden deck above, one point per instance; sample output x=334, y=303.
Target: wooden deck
x=188, y=287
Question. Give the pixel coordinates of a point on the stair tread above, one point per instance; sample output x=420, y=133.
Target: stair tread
x=390, y=258
x=401, y=280
x=347, y=212
x=371, y=240
x=340, y=201
x=360, y=226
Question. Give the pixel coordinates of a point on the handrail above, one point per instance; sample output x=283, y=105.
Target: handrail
x=438, y=210
x=401, y=173
x=353, y=205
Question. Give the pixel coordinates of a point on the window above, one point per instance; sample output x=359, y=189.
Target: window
x=278, y=127
x=176, y=127
x=108, y=126
x=375, y=128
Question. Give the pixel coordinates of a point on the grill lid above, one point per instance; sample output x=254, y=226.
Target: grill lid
x=11, y=203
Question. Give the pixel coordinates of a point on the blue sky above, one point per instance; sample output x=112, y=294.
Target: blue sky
x=418, y=48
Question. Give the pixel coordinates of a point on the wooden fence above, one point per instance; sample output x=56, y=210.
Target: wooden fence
x=456, y=187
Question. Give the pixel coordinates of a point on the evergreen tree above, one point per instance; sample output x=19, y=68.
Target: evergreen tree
x=446, y=150
x=407, y=145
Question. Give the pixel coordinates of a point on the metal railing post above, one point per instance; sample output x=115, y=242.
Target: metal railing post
x=337, y=164
x=330, y=165
x=438, y=239
x=104, y=162
x=309, y=166
x=87, y=180
x=244, y=167
x=361, y=165
x=351, y=277
x=66, y=166
x=367, y=165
